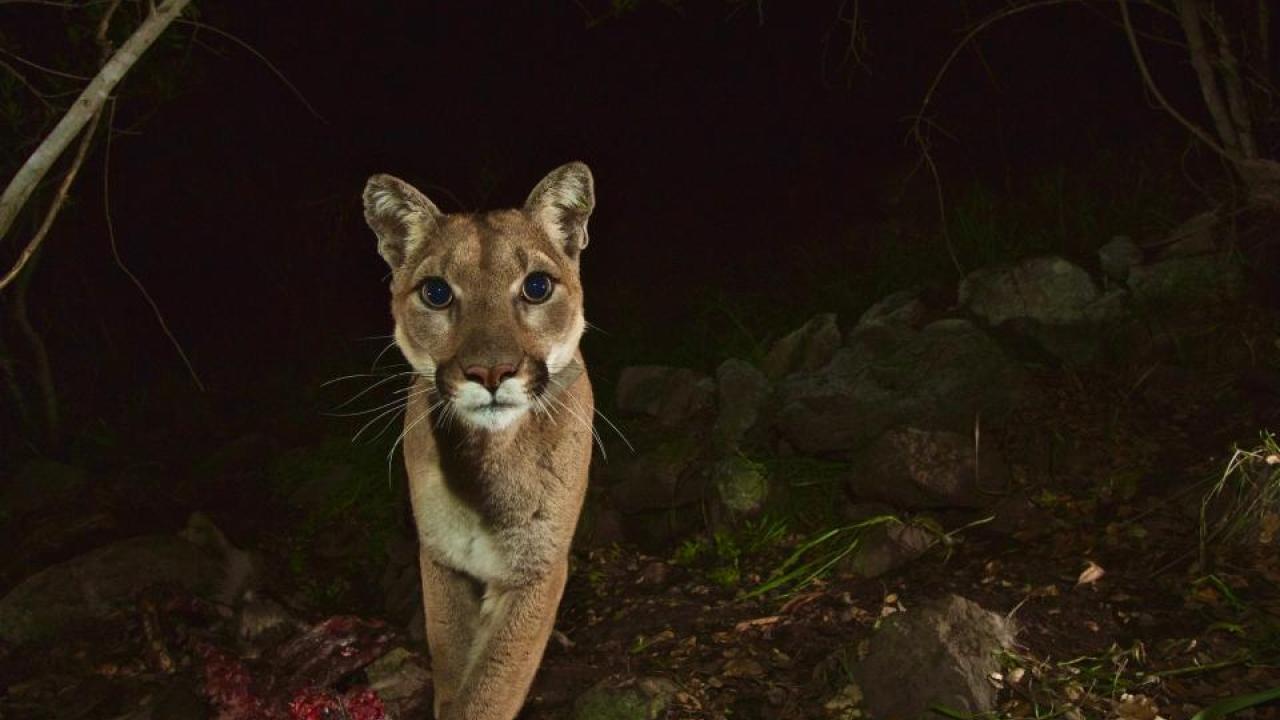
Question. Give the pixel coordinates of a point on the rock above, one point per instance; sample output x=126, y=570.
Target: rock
x=742, y=667
x=903, y=308
x=262, y=623
x=94, y=585
x=741, y=485
x=1053, y=304
x=1195, y=236
x=672, y=395
x=656, y=479
x=600, y=525
x=1186, y=283
x=807, y=348
x=1113, y=306
x=938, y=377
x=1118, y=257
x=845, y=703
x=314, y=493
x=656, y=531
x=1262, y=177
x=401, y=583
x=646, y=698
x=402, y=681
x=1016, y=514
x=913, y=469
x=888, y=546
x=655, y=574
x=241, y=569
x=741, y=391
x=1049, y=290
x=943, y=653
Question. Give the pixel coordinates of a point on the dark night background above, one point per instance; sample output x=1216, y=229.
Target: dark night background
x=754, y=167
x=731, y=156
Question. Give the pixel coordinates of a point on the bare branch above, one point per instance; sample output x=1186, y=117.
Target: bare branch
x=85, y=107
x=1189, y=15
x=42, y=68
x=968, y=38
x=86, y=140
x=115, y=253
x=270, y=66
x=1141, y=62
x=55, y=206
x=22, y=80
x=920, y=122
x=1237, y=105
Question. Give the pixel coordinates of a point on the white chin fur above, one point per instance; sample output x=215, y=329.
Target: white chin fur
x=477, y=408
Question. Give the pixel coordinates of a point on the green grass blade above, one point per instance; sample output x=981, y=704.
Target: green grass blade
x=1236, y=704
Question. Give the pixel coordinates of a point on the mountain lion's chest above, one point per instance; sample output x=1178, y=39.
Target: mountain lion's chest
x=453, y=532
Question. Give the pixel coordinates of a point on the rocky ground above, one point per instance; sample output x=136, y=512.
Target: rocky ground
x=1020, y=498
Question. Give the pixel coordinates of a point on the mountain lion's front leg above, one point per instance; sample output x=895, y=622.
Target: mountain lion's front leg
x=511, y=635
x=452, y=602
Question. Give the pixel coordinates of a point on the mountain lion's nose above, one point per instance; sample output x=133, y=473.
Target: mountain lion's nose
x=490, y=377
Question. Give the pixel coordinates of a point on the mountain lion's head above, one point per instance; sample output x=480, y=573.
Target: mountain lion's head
x=487, y=306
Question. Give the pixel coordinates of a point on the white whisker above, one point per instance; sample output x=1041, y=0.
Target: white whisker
x=595, y=435
x=396, y=401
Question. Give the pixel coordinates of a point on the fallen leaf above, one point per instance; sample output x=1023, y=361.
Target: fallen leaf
x=1136, y=707
x=757, y=622
x=743, y=667
x=1091, y=574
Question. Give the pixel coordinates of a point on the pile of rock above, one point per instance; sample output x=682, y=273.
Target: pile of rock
x=900, y=397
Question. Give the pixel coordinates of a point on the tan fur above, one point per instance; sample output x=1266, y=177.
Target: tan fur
x=496, y=486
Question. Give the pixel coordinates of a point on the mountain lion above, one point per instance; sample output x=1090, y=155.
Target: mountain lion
x=497, y=437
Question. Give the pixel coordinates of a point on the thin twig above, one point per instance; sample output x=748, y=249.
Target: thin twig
x=115, y=253
x=22, y=80
x=59, y=198
x=919, y=123
x=1189, y=16
x=1141, y=62
x=270, y=66
x=42, y=68
x=91, y=99
x=86, y=139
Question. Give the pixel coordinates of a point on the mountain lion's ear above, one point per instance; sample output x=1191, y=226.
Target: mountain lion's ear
x=399, y=215
x=561, y=204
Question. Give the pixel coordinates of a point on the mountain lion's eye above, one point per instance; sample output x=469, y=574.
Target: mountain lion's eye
x=436, y=293
x=537, y=287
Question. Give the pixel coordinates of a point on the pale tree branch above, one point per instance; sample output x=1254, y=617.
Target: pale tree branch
x=86, y=140
x=83, y=110
x=1150, y=82
x=1189, y=16
x=1237, y=103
